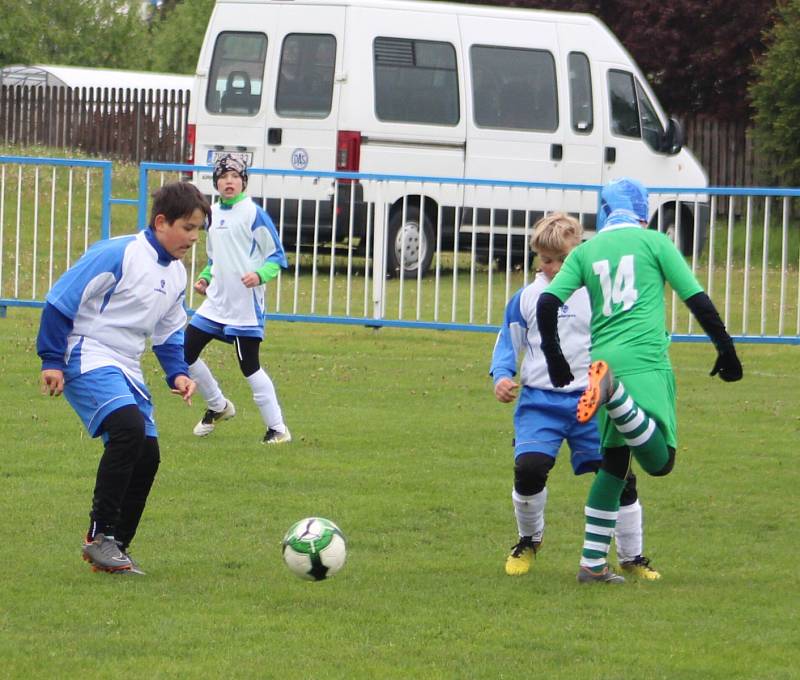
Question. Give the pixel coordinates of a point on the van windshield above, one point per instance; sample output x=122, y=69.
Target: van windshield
x=236, y=74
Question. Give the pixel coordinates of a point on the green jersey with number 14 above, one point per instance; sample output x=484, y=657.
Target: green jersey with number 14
x=624, y=268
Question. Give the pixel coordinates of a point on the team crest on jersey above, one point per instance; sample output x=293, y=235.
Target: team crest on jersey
x=163, y=287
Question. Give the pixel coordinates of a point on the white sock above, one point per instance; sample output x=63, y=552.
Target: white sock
x=267, y=400
x=628, y=534
x=529, y=511
x=207, y=385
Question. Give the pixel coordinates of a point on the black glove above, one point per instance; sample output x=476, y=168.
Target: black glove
x=557, y=366
x=727, y=365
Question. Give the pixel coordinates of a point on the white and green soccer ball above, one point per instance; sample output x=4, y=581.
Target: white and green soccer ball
x=314, y=548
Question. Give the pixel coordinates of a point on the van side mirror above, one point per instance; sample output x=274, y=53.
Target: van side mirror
x=672, y=141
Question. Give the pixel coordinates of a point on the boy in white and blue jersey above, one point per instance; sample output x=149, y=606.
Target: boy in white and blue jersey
x=545, y=415
x=91, y=338
x=244, y=252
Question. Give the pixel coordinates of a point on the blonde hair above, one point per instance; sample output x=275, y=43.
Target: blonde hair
x=556, y=233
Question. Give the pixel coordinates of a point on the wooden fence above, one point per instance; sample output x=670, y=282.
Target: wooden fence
x=726, y=151
x=130, y=124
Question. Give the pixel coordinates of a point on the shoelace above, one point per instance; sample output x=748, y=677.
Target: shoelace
x=519, y=548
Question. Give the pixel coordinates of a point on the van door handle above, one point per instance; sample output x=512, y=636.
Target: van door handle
x=274, y=136
x=611, y=154
x=556, y=152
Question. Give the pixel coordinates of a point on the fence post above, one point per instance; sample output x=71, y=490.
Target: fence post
x=379, y=254
x=105, y=217
x=143, y=191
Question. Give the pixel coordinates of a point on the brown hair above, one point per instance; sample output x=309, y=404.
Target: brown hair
x=557, y=233
x=178, y=199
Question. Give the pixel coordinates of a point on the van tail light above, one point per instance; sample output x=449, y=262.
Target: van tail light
x=191, y=136
x=348, y=151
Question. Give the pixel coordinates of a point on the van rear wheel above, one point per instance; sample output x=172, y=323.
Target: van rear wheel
x=409, y=243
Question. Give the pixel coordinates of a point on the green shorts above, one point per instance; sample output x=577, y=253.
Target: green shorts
x=654, y=392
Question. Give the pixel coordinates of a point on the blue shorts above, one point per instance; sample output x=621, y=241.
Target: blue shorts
x=96, y=394
x=226, y=333
x=545, y=419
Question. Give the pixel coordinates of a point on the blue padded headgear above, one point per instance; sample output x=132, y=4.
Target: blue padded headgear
x=625, y=198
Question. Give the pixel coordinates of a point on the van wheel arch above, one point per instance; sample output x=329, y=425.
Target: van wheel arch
x=669, y=225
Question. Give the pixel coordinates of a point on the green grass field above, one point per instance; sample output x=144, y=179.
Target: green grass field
x=399, y=440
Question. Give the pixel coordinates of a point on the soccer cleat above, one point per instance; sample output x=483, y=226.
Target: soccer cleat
x=104, y=554
x=209, y=421
x=640, y=568
x=275, y=437
x=606, y=576
x=135, y=568
x=599, y=391
x=522, y=554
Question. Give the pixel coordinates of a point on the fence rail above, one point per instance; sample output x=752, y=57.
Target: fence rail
x=130, y=124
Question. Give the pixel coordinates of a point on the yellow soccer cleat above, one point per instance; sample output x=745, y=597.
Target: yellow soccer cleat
x=640, y=568
x=519, y=561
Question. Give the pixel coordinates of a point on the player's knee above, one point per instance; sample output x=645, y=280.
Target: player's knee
x=667, y=468
x=247, y=355
x=617, y=461
x=531, y=471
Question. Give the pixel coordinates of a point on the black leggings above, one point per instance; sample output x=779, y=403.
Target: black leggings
x=124, y=476
x=247, y=348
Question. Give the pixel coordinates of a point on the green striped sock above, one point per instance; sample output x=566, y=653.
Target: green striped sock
x=602, y=508
x=638, y=429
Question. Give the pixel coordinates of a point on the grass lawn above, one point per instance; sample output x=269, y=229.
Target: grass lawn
x=398, y=439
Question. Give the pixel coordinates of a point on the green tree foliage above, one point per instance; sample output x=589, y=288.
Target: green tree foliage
x=71, y=32
x=776, y=96
x=176, y=35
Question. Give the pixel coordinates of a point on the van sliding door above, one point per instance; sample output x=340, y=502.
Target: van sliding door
x=514, y=131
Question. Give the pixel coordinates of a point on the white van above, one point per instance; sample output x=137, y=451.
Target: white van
x=406, y=87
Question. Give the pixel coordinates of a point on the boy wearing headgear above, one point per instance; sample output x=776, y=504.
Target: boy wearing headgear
x=244, y=252
x=624, y=268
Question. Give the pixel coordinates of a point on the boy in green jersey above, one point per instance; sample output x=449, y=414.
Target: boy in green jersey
x=624, y=268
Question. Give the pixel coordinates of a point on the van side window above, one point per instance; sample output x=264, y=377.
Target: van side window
x=580, y=93
x=652, y=130
x=416, y=81
x=236, y=74
x=305, y=81
x=514, y=88
x=624, y=108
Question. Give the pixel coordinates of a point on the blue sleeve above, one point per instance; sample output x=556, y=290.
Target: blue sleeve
x=507, y=345
x=95, y=274
x=51, y=343
x=170, y=356
x=278, y=256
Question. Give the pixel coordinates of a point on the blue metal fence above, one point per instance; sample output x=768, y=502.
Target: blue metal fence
x=743, y=244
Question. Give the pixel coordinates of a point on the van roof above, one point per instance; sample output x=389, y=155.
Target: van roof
x=435, y=7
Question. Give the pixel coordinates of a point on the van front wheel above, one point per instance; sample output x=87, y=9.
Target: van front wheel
x=409, y=243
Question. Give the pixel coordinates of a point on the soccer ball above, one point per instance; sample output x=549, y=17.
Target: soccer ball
x=314, y=548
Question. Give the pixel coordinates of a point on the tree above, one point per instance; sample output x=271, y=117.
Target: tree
x=69, y=32
x=776, y=96
x=176, y=36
